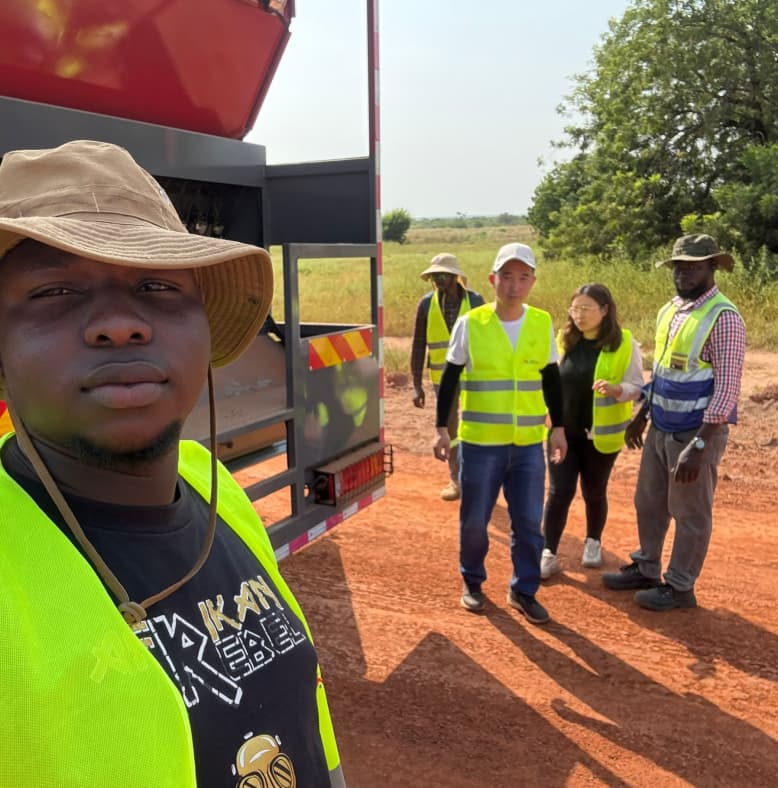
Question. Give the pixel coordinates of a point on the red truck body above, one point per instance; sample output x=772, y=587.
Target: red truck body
x=201, y=65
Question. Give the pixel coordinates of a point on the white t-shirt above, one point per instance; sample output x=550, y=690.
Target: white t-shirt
x=458, y=346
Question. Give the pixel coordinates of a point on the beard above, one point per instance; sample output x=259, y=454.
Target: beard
x=693, y=293
x=98, y=457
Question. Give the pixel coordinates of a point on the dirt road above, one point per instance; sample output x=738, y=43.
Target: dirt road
x=425, y=694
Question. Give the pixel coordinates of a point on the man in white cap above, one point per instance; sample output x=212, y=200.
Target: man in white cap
x=506, y=355
x=147, y=632
x=691, y=400
x=436, y=314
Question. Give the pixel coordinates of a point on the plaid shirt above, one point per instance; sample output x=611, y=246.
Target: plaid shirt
x=725, y=350
x=450, y=310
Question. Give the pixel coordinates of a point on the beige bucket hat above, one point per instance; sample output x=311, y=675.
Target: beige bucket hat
x=692, y=248
x=92, y=199
x=444, y=263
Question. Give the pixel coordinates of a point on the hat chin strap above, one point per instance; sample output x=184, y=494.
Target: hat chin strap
x=133, y=612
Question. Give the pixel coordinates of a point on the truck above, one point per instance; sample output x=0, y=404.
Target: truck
x=179, y=84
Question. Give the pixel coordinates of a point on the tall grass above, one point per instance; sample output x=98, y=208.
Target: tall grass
x=338, y=291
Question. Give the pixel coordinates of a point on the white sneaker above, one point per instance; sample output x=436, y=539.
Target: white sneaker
x=592, y=554
x=549, y=564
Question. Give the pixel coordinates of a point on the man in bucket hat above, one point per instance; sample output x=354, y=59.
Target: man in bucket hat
x=147, y=633
x=436, y=314
x=690, y=400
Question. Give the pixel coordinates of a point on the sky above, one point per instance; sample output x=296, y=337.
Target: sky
x=468, y=95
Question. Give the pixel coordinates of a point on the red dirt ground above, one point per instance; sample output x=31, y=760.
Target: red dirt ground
x=426, y=694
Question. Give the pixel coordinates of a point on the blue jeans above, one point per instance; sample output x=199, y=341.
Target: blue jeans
x=520, y=471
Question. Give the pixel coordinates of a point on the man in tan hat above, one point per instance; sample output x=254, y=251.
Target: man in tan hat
x=690, y=400
x=435, y=316
x=147, y=631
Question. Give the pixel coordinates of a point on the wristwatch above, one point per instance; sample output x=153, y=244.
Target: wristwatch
x=698, y=443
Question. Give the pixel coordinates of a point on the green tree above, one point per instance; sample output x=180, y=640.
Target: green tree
x=750, y=206
x=395, y=225
x=679, y=91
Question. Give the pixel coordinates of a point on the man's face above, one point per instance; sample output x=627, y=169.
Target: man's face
x=692, y=279
x=99, y=354
x=513, y=282
x=443, y=282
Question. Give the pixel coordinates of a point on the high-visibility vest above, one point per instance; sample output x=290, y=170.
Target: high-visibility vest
x=502, y=393
x=683, y=383
x=438, y=335
x=609, y=417
x=83, y=704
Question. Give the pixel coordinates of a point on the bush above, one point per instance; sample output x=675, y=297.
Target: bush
x=395, y=225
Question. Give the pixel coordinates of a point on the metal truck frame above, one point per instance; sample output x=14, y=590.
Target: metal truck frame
x=310, y=392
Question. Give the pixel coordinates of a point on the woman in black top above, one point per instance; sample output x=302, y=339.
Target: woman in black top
x=590, y=340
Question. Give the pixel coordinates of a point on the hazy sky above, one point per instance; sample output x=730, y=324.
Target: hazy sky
x=469, y=93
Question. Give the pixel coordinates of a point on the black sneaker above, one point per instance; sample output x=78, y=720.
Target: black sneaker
x=529, y=607
x=472, y=599
x=628, y=578
x=665, y=597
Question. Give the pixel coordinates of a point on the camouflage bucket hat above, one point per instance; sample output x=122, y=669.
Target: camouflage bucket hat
x=692, y=248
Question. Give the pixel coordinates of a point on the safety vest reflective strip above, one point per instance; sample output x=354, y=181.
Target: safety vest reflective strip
x=438, y=335
x=502, y=392
x=83, y=700
x=683, y=383
x=610, y=417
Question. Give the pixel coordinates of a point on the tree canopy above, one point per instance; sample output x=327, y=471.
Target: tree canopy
x=672, y=125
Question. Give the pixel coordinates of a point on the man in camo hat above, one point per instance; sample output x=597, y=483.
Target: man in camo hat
x=691, y=400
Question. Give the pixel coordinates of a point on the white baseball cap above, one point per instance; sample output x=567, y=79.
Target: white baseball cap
x=513, y=251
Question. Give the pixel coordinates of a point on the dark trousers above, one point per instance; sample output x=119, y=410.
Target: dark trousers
x=594, y=469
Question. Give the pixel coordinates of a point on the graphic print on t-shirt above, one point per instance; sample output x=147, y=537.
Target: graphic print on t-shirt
x=234, y=650
x=223, y=647
x=261, y=764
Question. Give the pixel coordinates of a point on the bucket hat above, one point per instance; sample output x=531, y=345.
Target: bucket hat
x=692, y=248
x=93, y=200
x=444, y=263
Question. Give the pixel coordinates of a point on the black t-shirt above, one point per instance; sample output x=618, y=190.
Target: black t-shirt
x=577, y=373
x=238, y=654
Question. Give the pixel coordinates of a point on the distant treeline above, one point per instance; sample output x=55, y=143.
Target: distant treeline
x=461, y=220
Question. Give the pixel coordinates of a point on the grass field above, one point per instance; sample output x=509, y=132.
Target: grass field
x=338, y=291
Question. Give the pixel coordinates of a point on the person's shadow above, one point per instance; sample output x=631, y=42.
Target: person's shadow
x=439, y=718
x=711, y=635
x=685, y=735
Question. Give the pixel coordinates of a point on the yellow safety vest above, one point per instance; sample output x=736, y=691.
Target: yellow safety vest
x=83, y=704
x=438, y=335
x=609, y=417
x=682, y=384
x=501, y=393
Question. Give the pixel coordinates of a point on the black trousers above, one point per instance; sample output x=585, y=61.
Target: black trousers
x=594, y=469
